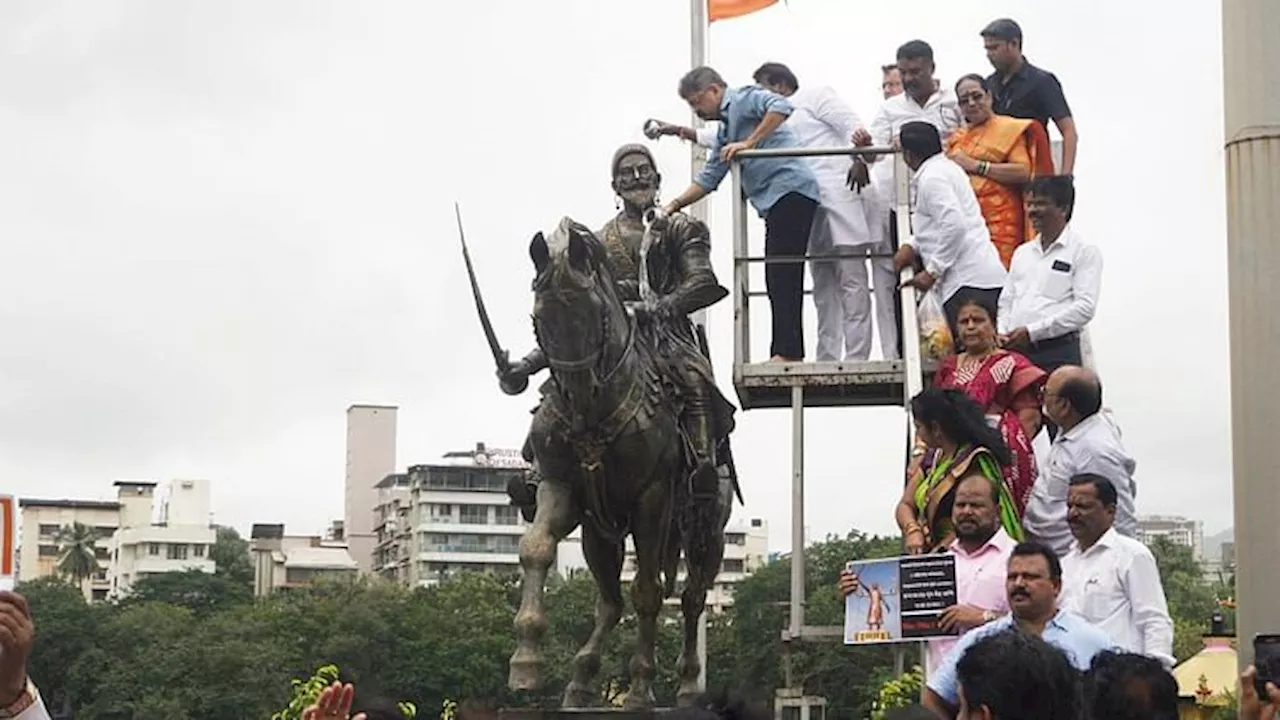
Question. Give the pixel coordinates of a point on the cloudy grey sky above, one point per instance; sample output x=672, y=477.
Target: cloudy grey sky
x=225, y=222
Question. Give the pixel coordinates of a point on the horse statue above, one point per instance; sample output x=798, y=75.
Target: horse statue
x=607, y=445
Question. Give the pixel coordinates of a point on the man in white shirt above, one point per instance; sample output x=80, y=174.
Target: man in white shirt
x=950, y=247
x=1112, y=580
x=1054, y=280
x=841, y=292
x=922, y=100
x=1088, y=444
x=911, y=93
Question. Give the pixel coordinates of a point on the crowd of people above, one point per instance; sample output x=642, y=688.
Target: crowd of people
x=1055, y=591
x=989, y=212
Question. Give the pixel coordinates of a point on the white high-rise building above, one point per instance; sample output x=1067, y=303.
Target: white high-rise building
x=746, y=549
x=141, y=533
x=455, y=515
x=1179, y=531
x=371, y=456
x=174, y=535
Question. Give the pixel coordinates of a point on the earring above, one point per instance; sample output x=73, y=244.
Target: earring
x=617, y=202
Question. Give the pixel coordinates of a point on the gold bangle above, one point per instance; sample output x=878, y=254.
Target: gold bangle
x=912, y=527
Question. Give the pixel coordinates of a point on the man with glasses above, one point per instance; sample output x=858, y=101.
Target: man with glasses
x=783, y=190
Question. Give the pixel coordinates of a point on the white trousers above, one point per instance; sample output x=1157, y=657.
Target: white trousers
x=842, y=295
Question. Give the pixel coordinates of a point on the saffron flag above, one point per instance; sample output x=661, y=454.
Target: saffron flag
x=725, y=9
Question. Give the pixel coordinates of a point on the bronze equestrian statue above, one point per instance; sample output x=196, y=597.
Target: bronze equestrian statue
x=631, y=434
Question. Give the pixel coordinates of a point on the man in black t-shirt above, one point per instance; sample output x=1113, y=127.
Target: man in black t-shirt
x=1022, y=90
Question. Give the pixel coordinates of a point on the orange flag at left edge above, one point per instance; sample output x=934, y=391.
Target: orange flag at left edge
x=725, y=9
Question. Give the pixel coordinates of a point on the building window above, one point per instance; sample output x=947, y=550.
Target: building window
x=735, y=538
x=177, y=552
x=49, y=530
x=153, y=548
x=102, y=553
x=100, y=595
x=440, y=512
x=506, y=515
x=734, y=566
x=473, y=514
x=104, y=531
x=197, y=550
x=48, y=551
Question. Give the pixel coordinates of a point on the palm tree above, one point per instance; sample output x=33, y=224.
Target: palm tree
x=77, y=552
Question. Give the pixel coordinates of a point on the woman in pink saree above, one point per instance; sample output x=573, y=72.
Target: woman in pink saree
x=1005, y=384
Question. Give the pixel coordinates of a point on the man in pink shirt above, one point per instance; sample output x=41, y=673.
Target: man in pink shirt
x=982, y=549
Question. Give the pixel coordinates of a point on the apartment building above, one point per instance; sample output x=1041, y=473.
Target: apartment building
x=289, y=561
x=138, y=534
x=450, y=516
x=1178, y=530
x=169, y=533
x=41, y=522
x=455, y=515
x=746, y=549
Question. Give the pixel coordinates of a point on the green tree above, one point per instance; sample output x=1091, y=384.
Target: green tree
x=198, y=591
x=77, y=552
x=67, y=627
x=848, y=677
x=230, y=555
x=1191, y=599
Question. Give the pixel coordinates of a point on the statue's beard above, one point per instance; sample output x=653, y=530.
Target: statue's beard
x=640, y=198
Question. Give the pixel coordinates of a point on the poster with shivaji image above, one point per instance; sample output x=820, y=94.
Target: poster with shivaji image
x=899, y=599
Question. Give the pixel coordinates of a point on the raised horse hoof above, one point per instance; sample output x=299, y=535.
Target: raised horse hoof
x=525, y=671
x=577, y=696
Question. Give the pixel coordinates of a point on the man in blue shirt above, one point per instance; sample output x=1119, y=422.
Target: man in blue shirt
x=783, y=190
x=1033, y=582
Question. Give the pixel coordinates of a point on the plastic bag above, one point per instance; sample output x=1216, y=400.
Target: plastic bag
x=936, y=342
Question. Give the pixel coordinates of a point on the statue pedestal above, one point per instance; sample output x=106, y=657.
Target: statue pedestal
x=580, y=714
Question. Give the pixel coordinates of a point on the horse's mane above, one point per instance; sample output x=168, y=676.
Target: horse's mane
x=559, y=273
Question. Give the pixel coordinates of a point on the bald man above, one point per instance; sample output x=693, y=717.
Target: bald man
x=1087, y=444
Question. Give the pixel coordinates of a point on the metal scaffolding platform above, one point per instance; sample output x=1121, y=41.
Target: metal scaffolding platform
x=800, y=385
x=825, y=384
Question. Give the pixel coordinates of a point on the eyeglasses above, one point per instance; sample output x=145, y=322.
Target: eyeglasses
x=973, y=97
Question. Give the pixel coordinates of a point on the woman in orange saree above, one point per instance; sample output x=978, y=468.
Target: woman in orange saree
x=1001, y=154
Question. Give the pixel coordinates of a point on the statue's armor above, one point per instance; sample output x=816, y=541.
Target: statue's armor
x=681, y=277
x=682, y=280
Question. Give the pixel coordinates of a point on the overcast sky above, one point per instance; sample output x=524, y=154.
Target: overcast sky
x=222, y=223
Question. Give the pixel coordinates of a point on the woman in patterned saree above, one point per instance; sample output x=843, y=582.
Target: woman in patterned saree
x=1000, y=154
x=1004, y=384
x=964, y=446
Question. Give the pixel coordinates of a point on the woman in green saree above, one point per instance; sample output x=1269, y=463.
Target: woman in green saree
x=965, y=445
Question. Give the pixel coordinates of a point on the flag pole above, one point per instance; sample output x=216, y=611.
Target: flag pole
x=697, y=154
x=697, y=157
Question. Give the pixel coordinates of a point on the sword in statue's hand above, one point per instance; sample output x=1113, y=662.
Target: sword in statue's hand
x=500, y=357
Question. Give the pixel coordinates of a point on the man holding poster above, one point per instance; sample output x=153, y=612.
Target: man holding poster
x=981, y=551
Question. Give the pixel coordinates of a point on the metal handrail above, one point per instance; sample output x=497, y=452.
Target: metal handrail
x=742, y=259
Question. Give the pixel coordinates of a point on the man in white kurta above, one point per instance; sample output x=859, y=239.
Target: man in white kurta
x=841, y=292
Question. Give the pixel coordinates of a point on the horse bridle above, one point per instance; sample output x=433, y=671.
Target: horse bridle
x=591, y=360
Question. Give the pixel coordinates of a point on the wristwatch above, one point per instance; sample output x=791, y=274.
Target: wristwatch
x=23, y=703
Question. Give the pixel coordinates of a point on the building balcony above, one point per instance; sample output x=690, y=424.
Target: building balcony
x=445, y=525
x=469, y=554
